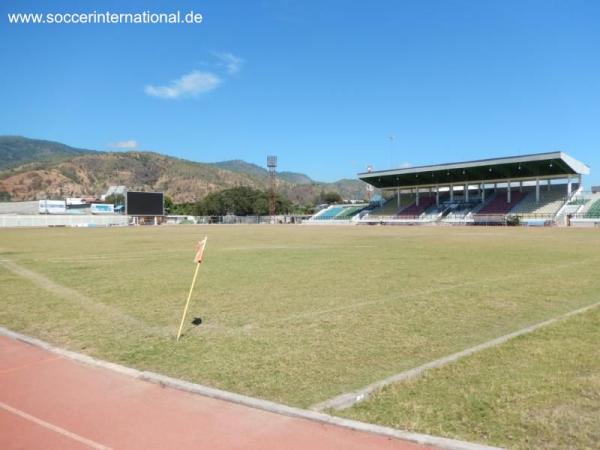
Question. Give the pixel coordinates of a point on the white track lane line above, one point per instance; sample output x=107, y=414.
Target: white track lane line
x=54, y=428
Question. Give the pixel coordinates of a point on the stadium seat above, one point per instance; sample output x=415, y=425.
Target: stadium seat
x=594, y=211
x=415, y=210
x=339, y=212
x=499, y=204
x=549, y=204
x=329, y=213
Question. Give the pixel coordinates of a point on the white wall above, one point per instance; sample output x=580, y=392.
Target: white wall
x=10, y=220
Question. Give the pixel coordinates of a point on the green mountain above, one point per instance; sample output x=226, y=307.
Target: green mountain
x=19, y=150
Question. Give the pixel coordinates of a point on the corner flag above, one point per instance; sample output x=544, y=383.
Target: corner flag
x=197, y=259
x=200, y=250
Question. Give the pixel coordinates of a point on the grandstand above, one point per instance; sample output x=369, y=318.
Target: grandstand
x=530, y=187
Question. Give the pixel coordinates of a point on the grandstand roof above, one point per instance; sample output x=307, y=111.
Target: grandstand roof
x=514, y=168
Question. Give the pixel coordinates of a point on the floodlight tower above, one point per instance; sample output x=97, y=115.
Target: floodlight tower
x=272, y=166
x=370, y=188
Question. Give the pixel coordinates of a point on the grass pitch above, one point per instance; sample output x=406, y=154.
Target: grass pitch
x=537, y=391
x=293, y=314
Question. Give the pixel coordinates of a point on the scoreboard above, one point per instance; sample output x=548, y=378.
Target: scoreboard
x=145, y=203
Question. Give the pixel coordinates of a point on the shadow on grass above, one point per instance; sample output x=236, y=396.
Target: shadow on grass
x=196, y=321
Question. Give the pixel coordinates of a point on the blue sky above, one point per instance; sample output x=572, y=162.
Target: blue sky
x=321, y=84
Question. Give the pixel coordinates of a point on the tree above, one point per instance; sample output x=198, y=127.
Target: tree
x=240, y=201
x=331, y=197
x=115, y=199
x=168, y=202
x=183, y=209
x=305, y=209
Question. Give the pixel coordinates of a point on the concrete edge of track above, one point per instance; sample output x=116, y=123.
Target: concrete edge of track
x=252, y=402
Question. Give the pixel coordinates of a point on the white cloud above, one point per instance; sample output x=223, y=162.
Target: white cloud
x=229, y=61
x=405, y=165
x=129, y=144
x=188, y=85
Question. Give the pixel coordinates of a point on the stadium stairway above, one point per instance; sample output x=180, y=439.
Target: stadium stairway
x=434, y=213
x=461, y=212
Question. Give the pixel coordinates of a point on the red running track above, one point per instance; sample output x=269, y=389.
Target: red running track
x=51, y=402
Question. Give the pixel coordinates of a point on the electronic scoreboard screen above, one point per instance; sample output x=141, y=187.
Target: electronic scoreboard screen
x=145, y=203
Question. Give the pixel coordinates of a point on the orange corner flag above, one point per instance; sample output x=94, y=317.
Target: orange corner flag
x=197, y=259
x=200, y=250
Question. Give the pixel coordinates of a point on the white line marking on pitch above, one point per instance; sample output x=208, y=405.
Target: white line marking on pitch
x=349, y=399
x=52, y=427
x=82, y=299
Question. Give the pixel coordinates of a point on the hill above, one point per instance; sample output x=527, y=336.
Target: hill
x=243, y=167
x=19, y=150
x=254, y=170
x=54, y=170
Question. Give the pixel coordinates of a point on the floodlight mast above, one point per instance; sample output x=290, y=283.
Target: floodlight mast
x=370, y=188
x=272, y=166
